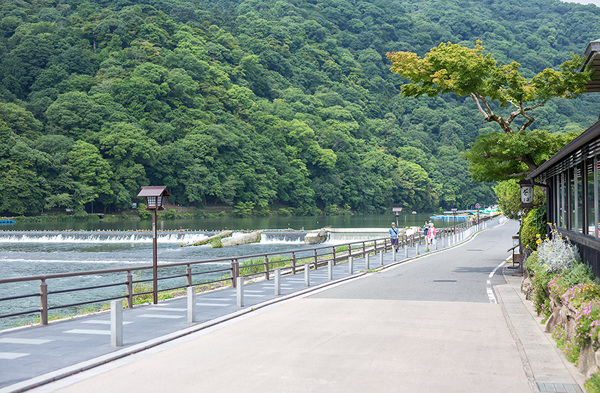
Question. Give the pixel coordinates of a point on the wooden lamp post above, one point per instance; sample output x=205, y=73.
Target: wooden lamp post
x=155, y=196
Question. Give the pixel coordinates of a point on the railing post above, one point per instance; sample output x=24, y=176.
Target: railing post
x=266, y=267
x=43, y=302
x=364, y=250
x=188, y=275
x=129, y=290
x=240, y=291
x=191, y=304
x=116, y=323
x=307, y=274
x=277, y=282
x=316, y=261
x=333, y=254
x=293, y=263
x=235, y=272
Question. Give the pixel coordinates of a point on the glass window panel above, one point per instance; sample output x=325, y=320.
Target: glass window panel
x=591, y=211
x=579, y=201
x=571, y=200
x=562, y=200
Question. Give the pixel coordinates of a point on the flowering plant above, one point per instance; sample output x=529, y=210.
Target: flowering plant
x=587, y=321
x=556, y=254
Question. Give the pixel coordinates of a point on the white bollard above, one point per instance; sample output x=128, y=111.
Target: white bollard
x=116, y=323
x=330, y=270
x=240, y=291
x=307, y=274
x=380, y=258
x=191, y=304
x=416, y=248
x=406, y=250
x=367, y=262
x=351, y=265
x=394, y=254
x=277, y=282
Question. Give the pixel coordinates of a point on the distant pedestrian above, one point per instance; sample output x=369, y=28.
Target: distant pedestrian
x=394, y=236
x=425, y=232
x=431, y=240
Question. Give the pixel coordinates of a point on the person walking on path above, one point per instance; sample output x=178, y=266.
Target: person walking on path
x=394, y=236
x=426, y=233
x=431, y=236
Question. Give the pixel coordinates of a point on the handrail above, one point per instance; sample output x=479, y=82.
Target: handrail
x=316, y=256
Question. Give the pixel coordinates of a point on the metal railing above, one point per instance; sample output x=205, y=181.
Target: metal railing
x=247, y=266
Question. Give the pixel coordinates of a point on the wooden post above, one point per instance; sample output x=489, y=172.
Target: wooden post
x=188, y=275
x=129, y=290
x=235, y=272
x=43, y=302
x=266, y=267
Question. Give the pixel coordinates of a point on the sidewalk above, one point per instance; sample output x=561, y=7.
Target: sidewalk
x=308, y=344
x=545, y=365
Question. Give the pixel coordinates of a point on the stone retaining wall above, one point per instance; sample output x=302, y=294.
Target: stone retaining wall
x=564, y=315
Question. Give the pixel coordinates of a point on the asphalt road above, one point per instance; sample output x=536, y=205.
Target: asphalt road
x=458, y=275
x=426, y=325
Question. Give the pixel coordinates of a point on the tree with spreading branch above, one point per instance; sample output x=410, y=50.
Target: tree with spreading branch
x=495, y=89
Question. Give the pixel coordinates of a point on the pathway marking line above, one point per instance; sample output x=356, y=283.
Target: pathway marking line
x=12, y=355
x=26, y=341
x=160, y=316
x=89, y=331
x=489, y=289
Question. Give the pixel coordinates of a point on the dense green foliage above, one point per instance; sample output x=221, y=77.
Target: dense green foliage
x=534, y=227
x=255, y=103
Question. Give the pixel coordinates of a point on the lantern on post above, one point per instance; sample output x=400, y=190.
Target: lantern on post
x=155, y=197
x=454, y=210
x=526, y=194
x=397, y=211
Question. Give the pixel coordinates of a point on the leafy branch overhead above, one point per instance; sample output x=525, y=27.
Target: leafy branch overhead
x=451, y=68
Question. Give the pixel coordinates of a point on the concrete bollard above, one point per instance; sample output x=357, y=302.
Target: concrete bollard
x=191, y=304
x=277, y=282
x=330, y=270
x=406, y=250
x=116, y=323
x=380, y=258
x=416, y=248
x=394, y=254
x=367, y=262
x=240, y=291
x=306, y=275
x=351, y=265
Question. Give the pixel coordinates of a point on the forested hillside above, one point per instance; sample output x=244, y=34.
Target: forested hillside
x=256, y=103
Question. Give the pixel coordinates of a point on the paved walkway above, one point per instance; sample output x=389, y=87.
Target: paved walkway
x=302, y=345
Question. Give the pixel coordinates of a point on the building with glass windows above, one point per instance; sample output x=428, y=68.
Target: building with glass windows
x=571, y=181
